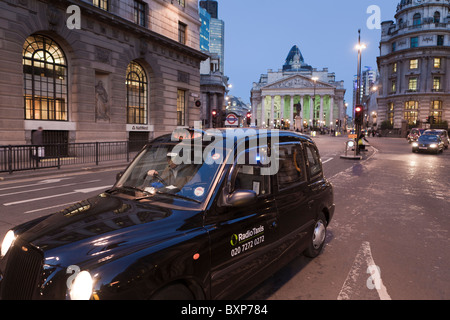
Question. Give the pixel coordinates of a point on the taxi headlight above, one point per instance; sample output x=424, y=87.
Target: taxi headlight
x=433, y=145
x=82, y=286
x=415, y=144
x=8, y=240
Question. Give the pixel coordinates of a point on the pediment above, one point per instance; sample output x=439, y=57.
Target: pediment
x=297, y=82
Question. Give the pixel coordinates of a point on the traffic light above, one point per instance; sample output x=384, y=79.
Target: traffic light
x=249, y=118
x=359, y=114
x=428, y=119
x=432, y=120
x=214, y=118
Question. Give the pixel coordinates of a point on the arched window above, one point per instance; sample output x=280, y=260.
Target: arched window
x=437, y=17
x=137, y=92
x=45, y=79
x=417, y=19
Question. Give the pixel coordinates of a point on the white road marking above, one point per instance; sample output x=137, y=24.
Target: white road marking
x=46, y=188
x=58, y=195
x=57, y=206
x=327, y=160
x=362, y=264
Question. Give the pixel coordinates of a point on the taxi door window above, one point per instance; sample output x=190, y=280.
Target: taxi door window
x=314, y=166
x=247, y=173
x=291, y=165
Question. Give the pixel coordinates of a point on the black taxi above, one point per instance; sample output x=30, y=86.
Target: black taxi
x=196, y=215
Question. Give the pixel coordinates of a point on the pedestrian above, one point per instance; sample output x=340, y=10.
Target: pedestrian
x=361, y=139
x=37, y=140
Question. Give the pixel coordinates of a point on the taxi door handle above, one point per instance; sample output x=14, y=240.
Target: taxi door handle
x=272, y=223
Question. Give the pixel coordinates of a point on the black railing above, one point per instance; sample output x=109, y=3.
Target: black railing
x=32, y=157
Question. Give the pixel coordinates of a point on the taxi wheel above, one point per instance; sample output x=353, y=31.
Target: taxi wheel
x=175, y=291
x=318, y=237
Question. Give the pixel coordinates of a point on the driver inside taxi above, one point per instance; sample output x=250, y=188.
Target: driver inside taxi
x=176, y=175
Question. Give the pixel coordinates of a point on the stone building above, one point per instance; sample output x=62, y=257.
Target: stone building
x=414, y=64
x=98, y=70
x=298, y=96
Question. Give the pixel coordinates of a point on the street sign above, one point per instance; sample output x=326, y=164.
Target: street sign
x=231, y=120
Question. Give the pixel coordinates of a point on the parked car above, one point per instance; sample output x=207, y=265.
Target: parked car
x=239, y=208
x=442, y=133
x=414, y=134
x=428, y=143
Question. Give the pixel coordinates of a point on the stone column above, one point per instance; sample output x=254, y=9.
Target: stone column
x=291, y=114
x=332, y=123
x=301, y=112
x=263, y=112
x=272, y=107
x=312, y=102
x=321, y=111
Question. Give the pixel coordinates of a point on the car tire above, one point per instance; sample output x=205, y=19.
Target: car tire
x=176, y=291
x=317, y=240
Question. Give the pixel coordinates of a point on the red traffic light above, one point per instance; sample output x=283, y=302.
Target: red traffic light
x=214, y=113
x=358, y=109
x=249, y=114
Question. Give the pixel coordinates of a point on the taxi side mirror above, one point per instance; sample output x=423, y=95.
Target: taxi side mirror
x=241, y=198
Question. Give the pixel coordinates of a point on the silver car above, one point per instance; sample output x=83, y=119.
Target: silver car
x=442, y=133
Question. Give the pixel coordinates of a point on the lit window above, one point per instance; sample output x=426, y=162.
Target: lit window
x=414, y=63
x=181, y=107
x=181, y=3
x=411, y=112
x=102, y=4
x=436, y=110
x=45, y=80
x=412, y=84
x=436, y=83
x=137, y=89
x=393, y=86
x=394, y=67
x=437, y=62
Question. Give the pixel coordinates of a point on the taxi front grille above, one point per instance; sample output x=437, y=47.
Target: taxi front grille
x=22, y=271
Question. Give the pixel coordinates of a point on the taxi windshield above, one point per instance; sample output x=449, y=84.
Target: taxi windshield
x=177, y=172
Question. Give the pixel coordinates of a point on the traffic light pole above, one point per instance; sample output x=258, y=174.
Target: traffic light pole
x=358, y=95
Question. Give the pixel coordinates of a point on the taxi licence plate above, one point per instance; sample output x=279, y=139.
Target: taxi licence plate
x=423, y=148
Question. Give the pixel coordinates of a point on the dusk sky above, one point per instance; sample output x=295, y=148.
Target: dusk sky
x=260, y=33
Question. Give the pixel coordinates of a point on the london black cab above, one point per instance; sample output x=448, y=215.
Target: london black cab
x=196, y=215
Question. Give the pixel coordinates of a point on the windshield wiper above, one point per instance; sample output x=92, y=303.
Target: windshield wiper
x=131, y=188
x=167, y=194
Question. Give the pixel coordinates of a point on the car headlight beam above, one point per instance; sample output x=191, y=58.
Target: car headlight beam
x=433, y=145
x=8, y=241
x=415, y=144
x=82, y=286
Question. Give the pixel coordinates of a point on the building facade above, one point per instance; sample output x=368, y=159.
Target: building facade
x=98, y=70
x=414, y=64
x=298, y=96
